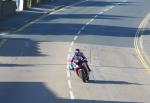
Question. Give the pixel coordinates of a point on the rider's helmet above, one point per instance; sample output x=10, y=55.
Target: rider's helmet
x=77, y=52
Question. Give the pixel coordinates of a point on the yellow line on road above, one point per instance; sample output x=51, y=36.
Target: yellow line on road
x=137, y=43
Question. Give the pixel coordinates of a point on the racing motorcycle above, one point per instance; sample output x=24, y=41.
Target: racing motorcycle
x=81, y=69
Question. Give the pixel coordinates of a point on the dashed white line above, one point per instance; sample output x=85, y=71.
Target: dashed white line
x=75, y=37
x=87, y=23
x=68, y=72
x=72, y=43
x=83, y=28
x=101, y=12
x=69, y=84
x=70, y=49
x=95, y=16
x=72, y=95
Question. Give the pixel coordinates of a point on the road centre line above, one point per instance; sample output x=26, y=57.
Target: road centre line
x=75, y=37
x=83, y=28
x=100, y=12
x=72, y=43
x=70, y=49
x=69, y=83
x=111, y=7
x=87, y=23
x=95, y=16
x=72, y=95
x=106, y=9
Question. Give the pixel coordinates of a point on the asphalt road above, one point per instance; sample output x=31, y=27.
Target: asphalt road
x=33, y=61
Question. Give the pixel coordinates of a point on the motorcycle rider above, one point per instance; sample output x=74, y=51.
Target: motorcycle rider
x=77, y=56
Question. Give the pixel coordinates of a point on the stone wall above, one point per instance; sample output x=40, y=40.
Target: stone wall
x=7, y=8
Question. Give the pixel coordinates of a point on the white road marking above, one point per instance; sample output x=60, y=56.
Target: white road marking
x=70, y=49
x=92, y=20
x=106, y=9
x=75, y=37
x=101, y=12
x=87, y=23
x=72, y=43
x=111, y=7
x=95, y=16
x=69, y=84
x=83, y=28
x=72, y=95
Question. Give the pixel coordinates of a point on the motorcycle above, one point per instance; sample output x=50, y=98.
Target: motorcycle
x=82, y=70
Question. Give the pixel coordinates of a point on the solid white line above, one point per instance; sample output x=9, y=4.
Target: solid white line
x=45, y=15
x=68, y=56
x=106, y=9
x=92, y=20
x=111, y=7
x=95, y=16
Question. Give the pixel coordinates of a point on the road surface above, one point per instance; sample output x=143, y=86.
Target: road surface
x=33, y=61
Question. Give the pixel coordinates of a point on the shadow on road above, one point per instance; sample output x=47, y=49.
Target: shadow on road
x=38, y=92
x=20, y=48
x=112, y=82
